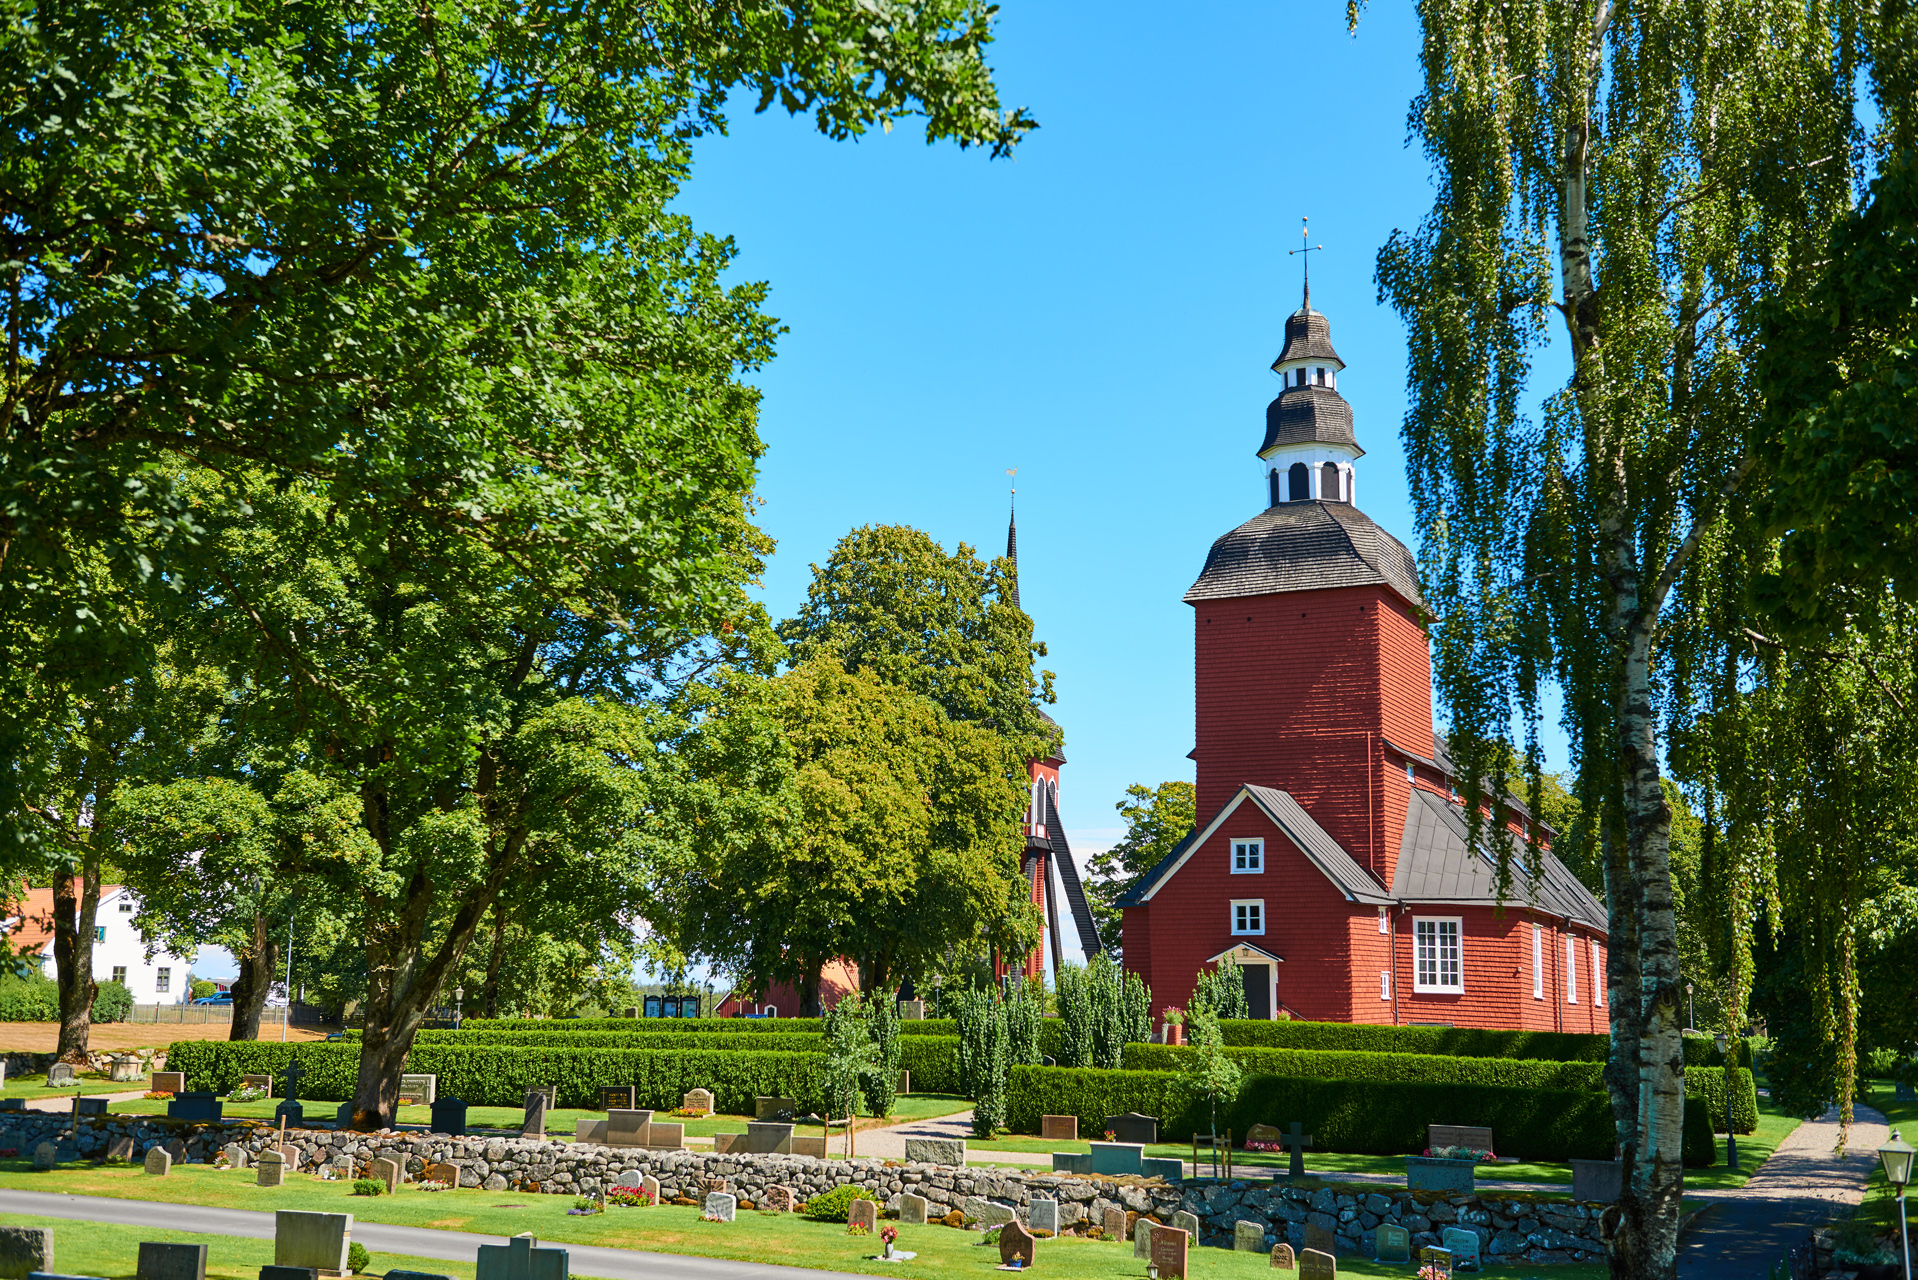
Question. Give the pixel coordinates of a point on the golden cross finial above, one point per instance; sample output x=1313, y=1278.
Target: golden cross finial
x=1307, y=248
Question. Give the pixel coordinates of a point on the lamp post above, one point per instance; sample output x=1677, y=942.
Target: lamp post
x=459, y=994
x=1691, y=1014
x=1896, y=1157
x=1731, y=1139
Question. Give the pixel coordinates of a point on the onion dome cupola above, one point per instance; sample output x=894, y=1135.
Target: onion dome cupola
x=1309, y=447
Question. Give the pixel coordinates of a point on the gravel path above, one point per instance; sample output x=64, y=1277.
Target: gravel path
x=1744, y=1230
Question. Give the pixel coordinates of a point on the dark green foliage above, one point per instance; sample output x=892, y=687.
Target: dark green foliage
x=368, y=1187
x=1025, y=1015
x=1700, y=1142
x=673, y=1026
x=792, y=1042
x=1074, y=1035
x=983, y=1043
x=1102, y=1009
x=357, y=1258
x=1156, y=819
x=933, y=1061
x=834, y=1205
x=881, y=1085
x=1705, y=1090
x=1221, y=989
x=1380, y=1117
x=32, y=997
x=112, y=1003
x=1332, y=1065
x=1457, y=1042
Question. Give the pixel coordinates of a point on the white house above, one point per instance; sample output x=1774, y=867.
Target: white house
x=119, y=954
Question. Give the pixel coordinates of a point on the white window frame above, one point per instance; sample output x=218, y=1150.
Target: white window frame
x=1571, y=969
x=1248, y=857
x=1436, y=928
x=163, y=980
x=1385, y=926
x=1385, y=984
x=1598, y=978
x=1538, y=962
x=1247, y=911
x=119, y=974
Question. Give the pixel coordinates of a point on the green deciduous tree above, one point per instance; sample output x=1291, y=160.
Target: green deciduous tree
x=1644, y=175
x=1156, y=819
x=1221, y=990
x=1206, y=1074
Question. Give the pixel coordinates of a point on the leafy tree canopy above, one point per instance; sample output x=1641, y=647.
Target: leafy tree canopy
x=1156, y=819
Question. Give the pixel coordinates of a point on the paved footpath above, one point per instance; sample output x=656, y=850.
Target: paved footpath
x=1742, y=1232
x=63, y=1102
x=418, y=1242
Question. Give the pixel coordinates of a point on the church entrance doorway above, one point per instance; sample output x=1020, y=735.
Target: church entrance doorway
x=1258, y=990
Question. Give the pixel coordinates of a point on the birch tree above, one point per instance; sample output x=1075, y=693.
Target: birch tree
x=1637, y=180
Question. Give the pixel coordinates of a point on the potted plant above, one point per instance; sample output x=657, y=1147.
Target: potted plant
x=1174, y=1025
x=1447, y=1169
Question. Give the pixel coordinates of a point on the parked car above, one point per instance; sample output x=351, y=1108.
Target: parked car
x=218, y=997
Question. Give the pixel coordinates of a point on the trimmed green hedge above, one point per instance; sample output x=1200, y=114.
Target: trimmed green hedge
x=1371, y=1116
x=500, y=1077
x=1455, y=1042
x=1508, y=1073
x=695, y=1026
x=1708, y=1084
x=1700, y=1146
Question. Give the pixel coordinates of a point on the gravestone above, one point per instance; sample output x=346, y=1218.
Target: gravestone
x=1186, y=1221
x=723, y=1142
x=264, y=1082
x=419, y=1088
x=177, y=1149
x=987, y=1212
x=1462, y=1245
x=1142, y=1238
x=169, y=1082
x=1133, y=1127
x=1436, y=1263
x=1282, y=1259
x=62, y=1075
x=721, y=1207
x=1320, y=1238
x=521, y=1258
x=387, y=1171
x=628, y=1126
x=1264, y=1135
x=778, y=1198
x=13, y=1104
x=24, y=1250
x=89, y=1106
x=1016, y=1242
x=533, y=1125
x=171, y=1261
x=1115, y=1159
x=589, y=1131
x=292, y=1113
x=1597, y=1181
x=1248, y=1237
x=1112, y=1224
x=1476, y=1137
x=672, y=1137
x=197, y=1105
x=766, y=1139
x=159, y=1162
x=936, y=1151
x=770, y=1108
x=912, y=1010
x=1043, y=1214
x=271, y=1272
x=317, y=1240
x=235, y=1155
x=1317, y=1264
x=442, y=1171
x=1059, y=1128
x=416, y=1275
x=912, y=1208
x=46, y=1155
x=616, y=1097
x=121, y=1147
x=697, y=1100
x=125, y=1069
x=1169, y=1245
x=863, y=1213
x=905, y=1081
x=449, y=1117
x=1296, y=1142
x=1904, y=1092
x=343, y=1115
x=1394, y=1243
x=271, y=1168
x=1168, y=1168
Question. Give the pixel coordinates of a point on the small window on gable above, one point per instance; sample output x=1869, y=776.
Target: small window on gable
x=1384, y=923
x=1598, y=977
x=1438, y=962
x=1385, y=984
x=126, y=904
x=1571, y=969
x=1248, y=917
x=1248, y=856
x=1411, y=774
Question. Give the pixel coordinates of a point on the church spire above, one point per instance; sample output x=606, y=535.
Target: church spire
x=1307, y=249
x=1012, y=539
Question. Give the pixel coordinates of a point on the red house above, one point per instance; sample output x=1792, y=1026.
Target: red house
x=1331, y=856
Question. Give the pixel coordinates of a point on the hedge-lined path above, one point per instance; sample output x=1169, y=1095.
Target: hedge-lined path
x=64, y=1101
x=418, y=1242
x=890, y=1143
x=1743, y=1231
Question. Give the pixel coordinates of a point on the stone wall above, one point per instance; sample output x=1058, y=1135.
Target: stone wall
x=1536, y=1228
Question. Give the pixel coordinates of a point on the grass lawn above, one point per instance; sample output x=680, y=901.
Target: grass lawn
x=109, y=1249
x=776, y=1238
x=1879, y=1206
x=564, y=1121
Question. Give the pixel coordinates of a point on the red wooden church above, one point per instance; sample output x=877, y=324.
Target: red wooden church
x=1331, y=858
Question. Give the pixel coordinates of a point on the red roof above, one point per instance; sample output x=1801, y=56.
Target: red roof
x=28, y=925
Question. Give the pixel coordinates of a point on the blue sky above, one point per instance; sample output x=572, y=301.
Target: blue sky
x=1098, y=312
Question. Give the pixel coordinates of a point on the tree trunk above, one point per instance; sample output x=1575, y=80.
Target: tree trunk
x=258, y=965
x=76, y=907
x=809, y=987
x=494, y=961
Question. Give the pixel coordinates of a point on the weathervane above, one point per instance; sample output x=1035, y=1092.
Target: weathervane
x=1014, y=473
x=1308, y=249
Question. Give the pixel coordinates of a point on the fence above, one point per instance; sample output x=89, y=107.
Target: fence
x=196, y=1014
